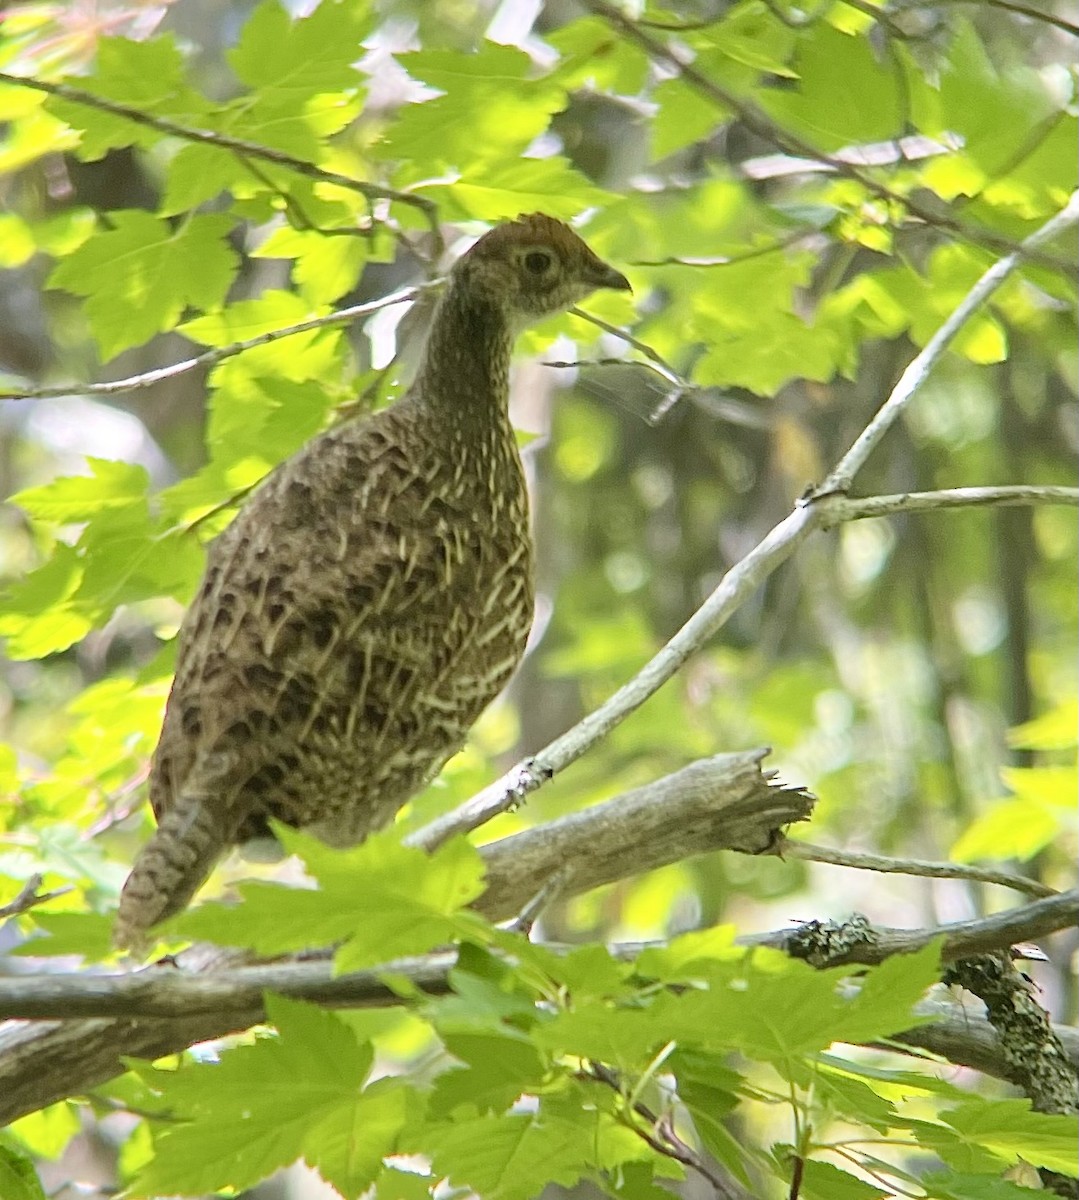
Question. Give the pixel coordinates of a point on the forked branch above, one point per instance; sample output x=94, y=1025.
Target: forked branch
x=745, y=577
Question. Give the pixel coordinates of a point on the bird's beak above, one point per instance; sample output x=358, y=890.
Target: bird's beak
x=607, y=277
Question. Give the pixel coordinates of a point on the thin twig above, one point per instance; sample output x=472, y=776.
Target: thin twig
x=207, y=137
x=661, y=1136
x=664, y=367
x=730, y=260
x=300, y=219
x=880, y=16
x=677, y=387
x=551, y=888
x=29, y=897
x=210, y=357
x=720, y=405
x=1023, y=10
x=850, y=508
x=862, y=861
x=656, y=363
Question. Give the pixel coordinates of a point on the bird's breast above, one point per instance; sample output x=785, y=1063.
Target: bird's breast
x=363, y=609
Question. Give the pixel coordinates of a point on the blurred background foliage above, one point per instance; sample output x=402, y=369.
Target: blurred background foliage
x=795, y=227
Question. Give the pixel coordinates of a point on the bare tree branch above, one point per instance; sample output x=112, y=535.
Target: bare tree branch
x=40, y=1064
x=29, y=897
x=969, y=1040
x=834, y=944
x=862, y=861
x=725, y=802
x=722, y=802
x=218, y=354
x=1035, y=1058
x=849, y=508
x=743, y=579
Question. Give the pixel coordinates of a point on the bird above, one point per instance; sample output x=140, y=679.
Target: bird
x=369, y=600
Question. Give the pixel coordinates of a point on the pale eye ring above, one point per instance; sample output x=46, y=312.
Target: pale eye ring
x=537, y=262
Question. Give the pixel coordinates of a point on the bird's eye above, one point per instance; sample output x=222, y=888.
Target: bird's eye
x=537, y=261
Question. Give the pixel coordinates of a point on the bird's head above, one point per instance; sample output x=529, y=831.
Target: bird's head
x=533, y=267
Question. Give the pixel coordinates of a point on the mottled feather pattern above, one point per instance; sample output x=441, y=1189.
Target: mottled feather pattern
x=368, y=602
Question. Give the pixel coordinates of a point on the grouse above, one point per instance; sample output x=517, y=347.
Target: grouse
x=368, y=602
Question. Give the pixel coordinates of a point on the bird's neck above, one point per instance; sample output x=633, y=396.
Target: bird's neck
x=464, y=372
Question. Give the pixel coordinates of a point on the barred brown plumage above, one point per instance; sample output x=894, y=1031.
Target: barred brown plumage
x=368, y=602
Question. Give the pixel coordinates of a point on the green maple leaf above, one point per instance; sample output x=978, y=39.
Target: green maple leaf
x=148, y=76
x=510, y=1157
x=381, y=899
x=18, y=1180
x=140, y=275
x=111, y=484
x=264, y=1105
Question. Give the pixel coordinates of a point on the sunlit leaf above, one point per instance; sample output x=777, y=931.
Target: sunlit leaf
x=139, y=275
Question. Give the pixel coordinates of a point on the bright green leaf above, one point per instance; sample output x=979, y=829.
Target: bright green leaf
x=509, y=1157
x=499, y=1066
x=293, y=58
x=492, y=107
x=71, y=498
x=524, y=185
x=961, y=1185
x=18, y=1180
x=593, y=56
x=140, y=275
x=844, y=94
x=381, y=899
x=148, y=75
x=822, y=1181
x=623, y=1037
x=1055, y=730
x=1011, y=1130
x=37, y=615
x=235, y=1121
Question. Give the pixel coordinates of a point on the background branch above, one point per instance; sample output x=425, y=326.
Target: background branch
x=207, y=137
x=849, y=508
x=30, y=897
x=969, y=1040
x=42, y=1064
x=862, y=861
x=759, y=123
x=1027, y=10
x=918, y=370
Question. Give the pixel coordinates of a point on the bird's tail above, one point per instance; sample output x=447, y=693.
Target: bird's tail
x=168, y=870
